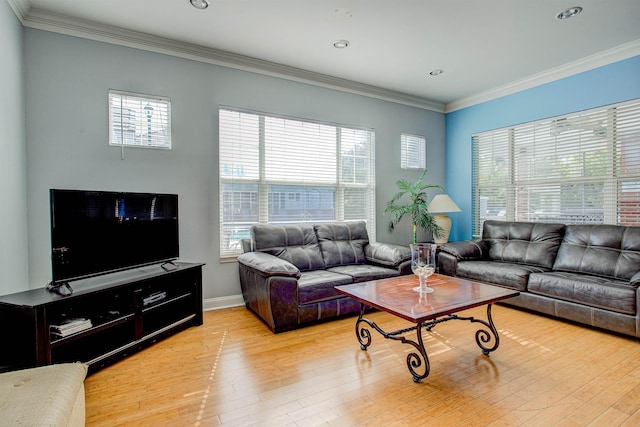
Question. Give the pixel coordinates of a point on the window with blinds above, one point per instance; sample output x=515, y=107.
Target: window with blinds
x=574, y=169
x=281, y=170
x=137, y=120
x=413, y=151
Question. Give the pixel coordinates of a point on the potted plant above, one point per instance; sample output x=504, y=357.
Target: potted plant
x=411, y=200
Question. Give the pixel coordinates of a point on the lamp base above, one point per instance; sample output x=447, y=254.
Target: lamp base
x=444, y=222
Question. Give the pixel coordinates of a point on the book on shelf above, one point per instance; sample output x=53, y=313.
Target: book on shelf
x=70, y=326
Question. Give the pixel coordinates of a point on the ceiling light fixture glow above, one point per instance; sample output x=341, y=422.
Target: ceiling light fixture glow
x=199, y=4
x=341, y=44
x=569, y=13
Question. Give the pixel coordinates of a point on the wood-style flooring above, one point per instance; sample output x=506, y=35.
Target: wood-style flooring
x=233, y=371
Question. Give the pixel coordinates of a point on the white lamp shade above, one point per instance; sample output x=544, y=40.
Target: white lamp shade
x=442, y=203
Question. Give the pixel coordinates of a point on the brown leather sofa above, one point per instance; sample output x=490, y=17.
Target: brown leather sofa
x=288, y=272
x=588, y=274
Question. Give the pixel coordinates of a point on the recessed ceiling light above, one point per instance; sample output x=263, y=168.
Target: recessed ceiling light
x=569, y=13
x=341, y=44
x=436, y=72
x=199, y=4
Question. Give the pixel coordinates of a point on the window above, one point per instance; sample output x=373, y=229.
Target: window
x=137, y=120
x=574, y=169
x=288, y=171
x=413, y=151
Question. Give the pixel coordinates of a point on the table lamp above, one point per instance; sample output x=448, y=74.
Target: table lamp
x=439, y=205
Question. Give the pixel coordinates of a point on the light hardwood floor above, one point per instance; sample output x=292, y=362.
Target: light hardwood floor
x=233, y=372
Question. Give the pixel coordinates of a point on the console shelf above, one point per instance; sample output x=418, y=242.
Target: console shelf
x=58, y=341
x=129, y=310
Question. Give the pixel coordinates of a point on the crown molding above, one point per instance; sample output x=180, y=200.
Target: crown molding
x=57, y=23
x=42, y=20
x=618, y=53
x=21, y=8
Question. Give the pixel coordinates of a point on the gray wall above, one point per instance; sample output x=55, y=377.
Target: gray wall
x=14, y=271
x=67, y=80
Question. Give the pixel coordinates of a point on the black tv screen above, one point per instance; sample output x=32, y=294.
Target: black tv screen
x=96, y=232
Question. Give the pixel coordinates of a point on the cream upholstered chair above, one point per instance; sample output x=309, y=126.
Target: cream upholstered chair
x=50, y=395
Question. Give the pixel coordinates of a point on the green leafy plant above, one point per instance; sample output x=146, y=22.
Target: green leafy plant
x=411, y=200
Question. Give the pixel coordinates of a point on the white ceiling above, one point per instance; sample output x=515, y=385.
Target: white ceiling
x=485, y=47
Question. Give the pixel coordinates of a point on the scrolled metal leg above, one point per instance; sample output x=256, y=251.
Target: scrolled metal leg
x=414, y=360
x=363, y=334
x=484, y=336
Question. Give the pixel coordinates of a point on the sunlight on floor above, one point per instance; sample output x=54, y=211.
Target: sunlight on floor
x=522, y=341
x=212, y=374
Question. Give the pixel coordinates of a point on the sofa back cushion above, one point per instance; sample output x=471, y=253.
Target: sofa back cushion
x=342, y=243
x=528, y=243
x=294, y=243
x=603, y=250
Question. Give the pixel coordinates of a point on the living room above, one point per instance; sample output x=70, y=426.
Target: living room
x=55, y=123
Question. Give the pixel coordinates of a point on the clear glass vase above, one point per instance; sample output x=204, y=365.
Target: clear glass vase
x=423, y=264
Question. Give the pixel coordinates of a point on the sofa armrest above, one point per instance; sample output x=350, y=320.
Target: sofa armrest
x=450, y=253
x=447, y=264
x=467, y=250
x=267, y=265
x=635, y=280
x=386, y=254
x=270, y=289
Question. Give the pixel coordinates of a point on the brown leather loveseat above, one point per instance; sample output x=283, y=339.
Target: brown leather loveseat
x=288, y=272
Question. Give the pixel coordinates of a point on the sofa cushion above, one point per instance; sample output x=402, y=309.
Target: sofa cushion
x=365, y=272
x=604, y=250
x=342, y=243
x=294, y=243
x=593, y=291
x=502, y=273
x=523, y=242
x=314, y=286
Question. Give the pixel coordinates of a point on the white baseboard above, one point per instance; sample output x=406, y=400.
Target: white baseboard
x=222, y=302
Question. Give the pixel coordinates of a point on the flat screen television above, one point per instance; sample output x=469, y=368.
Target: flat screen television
x=97, y=232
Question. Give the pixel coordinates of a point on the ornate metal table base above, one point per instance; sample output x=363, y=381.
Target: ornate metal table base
x=415, y=360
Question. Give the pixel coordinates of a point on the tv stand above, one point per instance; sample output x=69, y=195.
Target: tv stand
x=119, y=314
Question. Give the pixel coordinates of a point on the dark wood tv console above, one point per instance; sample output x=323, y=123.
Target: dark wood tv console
x=128, y=310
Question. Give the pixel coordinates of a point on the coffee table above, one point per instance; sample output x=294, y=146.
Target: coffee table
x=451, y=295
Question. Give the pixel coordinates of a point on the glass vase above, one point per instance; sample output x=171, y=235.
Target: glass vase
x=423, y=264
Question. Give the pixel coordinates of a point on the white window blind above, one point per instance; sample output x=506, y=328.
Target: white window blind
x=574, y=169
x=137, y=120
x=288, y=171
x=413, y=151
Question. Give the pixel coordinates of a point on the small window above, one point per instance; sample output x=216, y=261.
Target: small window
x=413, y=151
x=137, y=120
